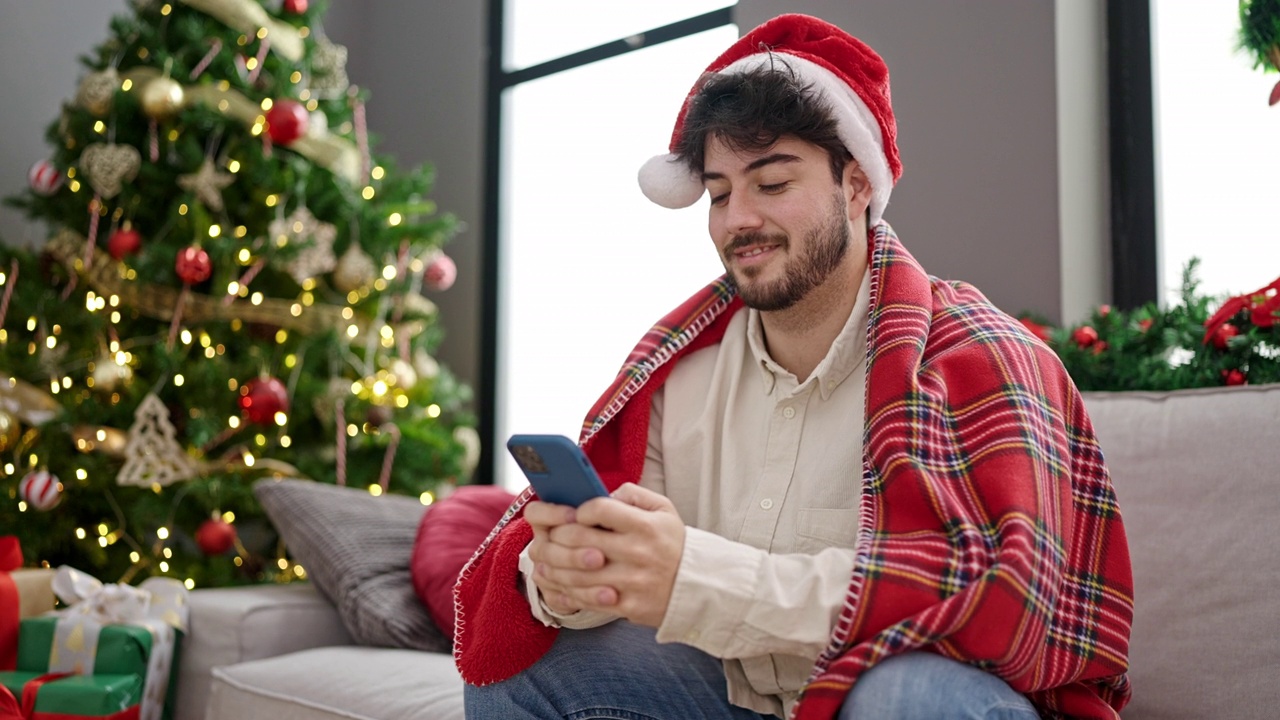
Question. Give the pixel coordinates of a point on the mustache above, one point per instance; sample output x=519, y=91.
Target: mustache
x=746, y=240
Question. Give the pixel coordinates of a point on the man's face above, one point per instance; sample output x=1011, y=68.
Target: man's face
x=778, y=219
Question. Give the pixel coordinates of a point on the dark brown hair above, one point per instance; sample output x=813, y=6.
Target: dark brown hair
x=752, y=110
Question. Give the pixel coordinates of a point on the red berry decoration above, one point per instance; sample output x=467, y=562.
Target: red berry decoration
x=1099, y=347
x=215, y=536
x=1224, y=334
x=1104, y=310
x=287, y=120
x=260, y=400
x=1085, y=336
x=1144, y=324
x=124, y=242
x=1234, y=377
x=44, y=178
x=441, y=272
x=295, y=7
x=193, y=265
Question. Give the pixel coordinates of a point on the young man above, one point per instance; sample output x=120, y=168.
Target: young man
x=841, y=488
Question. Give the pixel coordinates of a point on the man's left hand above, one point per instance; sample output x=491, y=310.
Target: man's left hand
x=642, y=538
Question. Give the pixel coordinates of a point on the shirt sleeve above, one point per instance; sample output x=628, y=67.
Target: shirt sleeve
x=653, y=476
x=735, y=601
x=581, y=620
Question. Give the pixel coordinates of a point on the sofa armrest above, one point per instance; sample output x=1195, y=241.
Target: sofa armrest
x=232, y=625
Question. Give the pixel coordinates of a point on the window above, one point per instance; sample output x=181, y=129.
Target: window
x=579, y=264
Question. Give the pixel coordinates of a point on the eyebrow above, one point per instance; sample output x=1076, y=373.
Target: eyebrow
x=756, y=164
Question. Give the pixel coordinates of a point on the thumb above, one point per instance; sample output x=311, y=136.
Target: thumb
x=643, y=498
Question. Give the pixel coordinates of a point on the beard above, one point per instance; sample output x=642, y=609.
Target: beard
x=824, y=249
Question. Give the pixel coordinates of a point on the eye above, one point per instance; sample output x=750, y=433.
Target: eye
x=719, y=199
x=773, y=189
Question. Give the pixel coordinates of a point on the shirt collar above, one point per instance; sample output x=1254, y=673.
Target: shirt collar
x=848, y=351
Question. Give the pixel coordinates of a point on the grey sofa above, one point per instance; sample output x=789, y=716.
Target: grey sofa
x=1198, y=475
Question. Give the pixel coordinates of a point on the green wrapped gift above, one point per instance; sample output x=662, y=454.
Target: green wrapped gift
x=81, y=695
x=122, y=649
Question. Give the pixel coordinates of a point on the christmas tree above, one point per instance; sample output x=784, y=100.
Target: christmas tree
x=231, y=290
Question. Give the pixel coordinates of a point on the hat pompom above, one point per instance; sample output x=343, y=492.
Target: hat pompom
x=667, y=181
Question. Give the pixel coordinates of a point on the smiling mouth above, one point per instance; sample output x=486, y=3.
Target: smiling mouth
x=753, y=252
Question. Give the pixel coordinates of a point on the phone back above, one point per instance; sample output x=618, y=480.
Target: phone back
x=556, y=468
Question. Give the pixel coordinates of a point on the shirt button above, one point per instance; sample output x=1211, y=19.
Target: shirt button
x=766, y=503
x=788, y=412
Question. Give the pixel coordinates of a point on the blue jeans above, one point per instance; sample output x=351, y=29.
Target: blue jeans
x=619, y=672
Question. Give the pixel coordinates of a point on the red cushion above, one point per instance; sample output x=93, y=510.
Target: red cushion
x=448, y=536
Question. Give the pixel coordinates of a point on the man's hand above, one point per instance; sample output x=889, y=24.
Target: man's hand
x=543, y=518
x=616, y=554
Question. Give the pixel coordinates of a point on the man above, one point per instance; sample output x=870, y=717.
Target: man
x=841, y=488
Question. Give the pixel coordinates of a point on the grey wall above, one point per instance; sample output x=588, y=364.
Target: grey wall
x=974, y=94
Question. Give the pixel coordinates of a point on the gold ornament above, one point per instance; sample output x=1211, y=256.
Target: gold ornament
x=97, y=92
x=100, y=438
x=108, y=167
x=207, y=183
x=108, y=374
x=469, y=439
x=406, y=377
x=355, y=269
x=162, y=98
x=10, y=431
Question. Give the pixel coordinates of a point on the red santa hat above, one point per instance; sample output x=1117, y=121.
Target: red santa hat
x=842, y=71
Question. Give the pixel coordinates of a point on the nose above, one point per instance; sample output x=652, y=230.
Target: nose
x=741, y=214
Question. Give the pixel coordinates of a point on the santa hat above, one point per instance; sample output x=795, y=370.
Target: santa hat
x=849, y=77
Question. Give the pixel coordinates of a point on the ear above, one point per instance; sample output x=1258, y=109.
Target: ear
x=856, y=188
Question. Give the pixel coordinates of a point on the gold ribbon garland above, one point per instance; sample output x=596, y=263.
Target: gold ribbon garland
x=247, y=16
x=336, y=154
x=159, y=301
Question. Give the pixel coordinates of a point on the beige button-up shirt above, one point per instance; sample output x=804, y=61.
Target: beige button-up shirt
x=765, y=472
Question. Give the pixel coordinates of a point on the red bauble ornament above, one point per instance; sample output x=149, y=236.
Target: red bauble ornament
x=1144, y=324
x=40, y=489
x=1223, y=334
x=123, y=242
x=295, y=7
x=440, y=272
x=287, y=120
x=1234, y=377
x=1104, y=310
x=1099, y=347
x=260, y=400
x=44, y=178
x=215, y=536
x=193, y=265
x=1085, y=336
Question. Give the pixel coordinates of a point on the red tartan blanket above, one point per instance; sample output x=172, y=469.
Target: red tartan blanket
x=989, y=532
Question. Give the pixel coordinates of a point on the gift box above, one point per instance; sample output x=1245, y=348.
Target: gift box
x=75, y=696
x=114, y=644
x=35, y=590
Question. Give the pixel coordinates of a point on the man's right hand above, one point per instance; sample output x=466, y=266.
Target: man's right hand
x=542, y=517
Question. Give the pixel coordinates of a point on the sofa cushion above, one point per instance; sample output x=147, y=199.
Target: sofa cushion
x=1196, y=473
x=356, y=548
x=448, y=536
x=346, y=683
x=232, y=625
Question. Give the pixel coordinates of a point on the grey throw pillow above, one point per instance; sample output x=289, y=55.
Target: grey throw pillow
x=356, y=550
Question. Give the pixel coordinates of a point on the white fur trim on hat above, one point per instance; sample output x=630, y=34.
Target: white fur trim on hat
x=668, y=182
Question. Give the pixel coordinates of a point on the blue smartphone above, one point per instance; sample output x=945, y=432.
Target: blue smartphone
x=557, y=469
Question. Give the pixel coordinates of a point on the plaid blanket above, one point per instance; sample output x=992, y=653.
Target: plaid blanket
x=989, y=528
